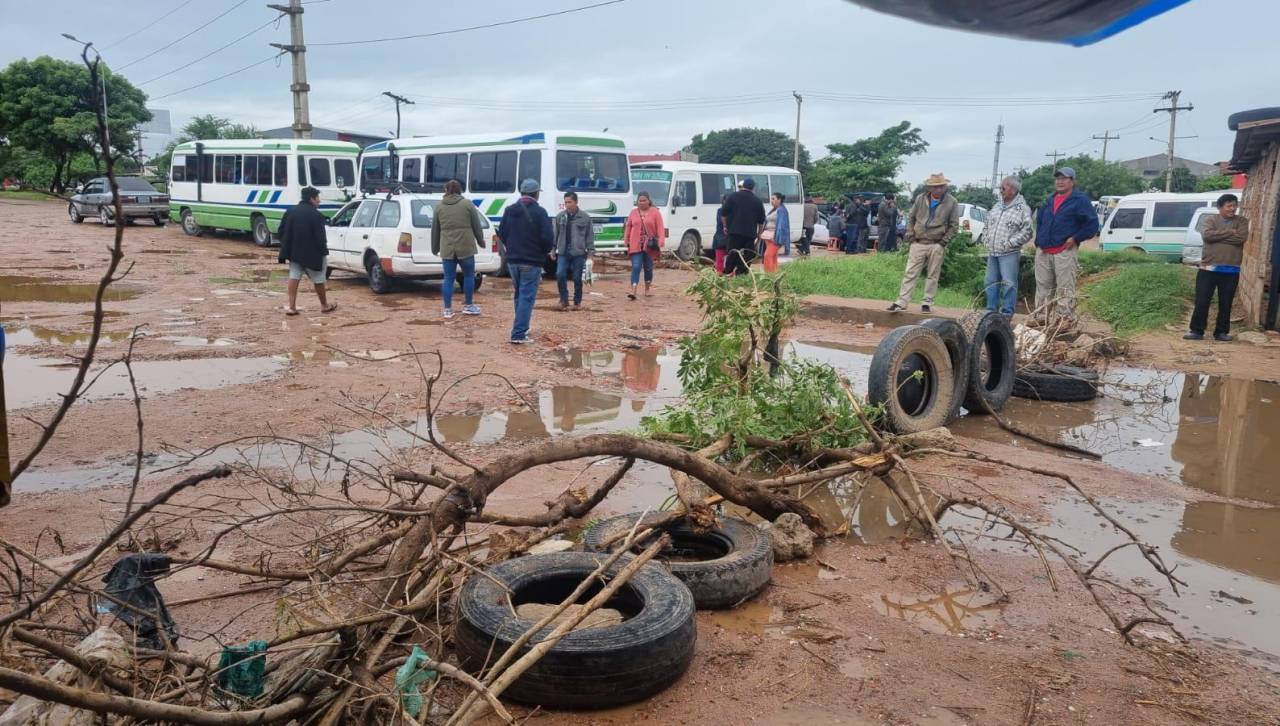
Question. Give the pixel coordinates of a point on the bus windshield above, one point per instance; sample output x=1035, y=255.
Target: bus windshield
x=591, y=171
x=654, y=181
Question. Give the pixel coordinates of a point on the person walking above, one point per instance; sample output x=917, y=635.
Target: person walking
x=456, y=235
x=575, y=242
x=526, y=233
x=1224, y=237
x=644, y=235
x=777, y=229
x=864, y=234
x=808, y=221
x=304, y=246
x=1066, y=220
x=744, y=217
x=835, y=226
x=932, y=223
x=1008, y=229
x=720, y=242
x=887, y=224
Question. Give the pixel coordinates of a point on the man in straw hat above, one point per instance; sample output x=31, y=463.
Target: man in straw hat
x=933, y=220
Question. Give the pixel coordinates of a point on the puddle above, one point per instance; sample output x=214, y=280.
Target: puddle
x=165, y=252
x=44, y=379
x=196, y=341
x=21, y=288
x=241, y=256
x=959, y=609
x=639, y=369
x=36, y=335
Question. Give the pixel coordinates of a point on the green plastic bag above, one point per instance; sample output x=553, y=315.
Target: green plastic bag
x=242, y=669
x=410, y=676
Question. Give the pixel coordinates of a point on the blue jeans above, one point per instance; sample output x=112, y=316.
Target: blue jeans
x=1002, y=282
x=524, y=290
x=468, y=265
x=641, y=261
x=566, y=266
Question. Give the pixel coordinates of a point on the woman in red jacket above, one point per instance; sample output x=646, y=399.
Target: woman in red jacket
x=644, y=235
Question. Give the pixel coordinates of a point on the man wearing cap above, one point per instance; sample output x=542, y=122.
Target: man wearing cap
x=744, y=217
x=933, y=220
x=1066, y=219
x=527, y=237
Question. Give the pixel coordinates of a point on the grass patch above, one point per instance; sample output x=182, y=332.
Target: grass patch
x=875, y=276
x=1093, y=262
x=27, y=195
x=1135, y=298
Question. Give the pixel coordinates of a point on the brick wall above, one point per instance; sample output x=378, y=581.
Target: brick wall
x=1260, y=208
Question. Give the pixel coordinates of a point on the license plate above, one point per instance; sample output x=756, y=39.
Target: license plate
x=597, y=228
x=144, y=200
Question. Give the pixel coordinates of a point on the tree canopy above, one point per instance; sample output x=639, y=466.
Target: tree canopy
x=1213, y=183
x=47, y=109
x=1095, y=178
x=1183, y=181
x=765, y=147
x=978, y=194
x=866, y=165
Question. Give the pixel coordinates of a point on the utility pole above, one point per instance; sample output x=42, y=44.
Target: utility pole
x=1105, y=137
x=1172, y=110
x=995, y=164
x=1056, y=155
x=297, y=49
x=399, y=100
x=795, y=157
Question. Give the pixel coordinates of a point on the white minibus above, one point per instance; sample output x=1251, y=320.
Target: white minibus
x=1155, y=223
x=690, y=195
x=248, y=184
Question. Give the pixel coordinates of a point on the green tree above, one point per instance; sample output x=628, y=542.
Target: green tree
x=47, y=107
x=978, y=194
x=204, y=127
x=1183, y=181
x=1095, y=178
x=748, y=146
x=869, y=164
x=1214, y=183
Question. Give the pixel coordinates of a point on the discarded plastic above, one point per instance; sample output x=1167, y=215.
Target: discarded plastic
x=242, y=669
x=132, y=581
x=410, y=676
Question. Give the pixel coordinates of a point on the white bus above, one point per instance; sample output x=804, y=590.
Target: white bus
x=248, y=184
x=491, y=167
x=690, y=195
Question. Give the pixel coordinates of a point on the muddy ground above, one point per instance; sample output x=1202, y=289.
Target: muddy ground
x=876, y=629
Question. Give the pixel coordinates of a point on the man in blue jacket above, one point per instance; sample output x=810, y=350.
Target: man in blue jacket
x=1066, y=220
x=527, y=237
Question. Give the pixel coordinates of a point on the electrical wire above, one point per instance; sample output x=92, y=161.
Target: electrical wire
x=148, y=26
x=219, y=78
x=212, y=52
x=174, y=42
x=486, y=26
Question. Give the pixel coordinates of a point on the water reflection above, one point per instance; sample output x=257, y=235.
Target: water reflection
x=1239, y=538
x=1228, y=438
x=22, y=288
x=639, y=369
x=957, y=610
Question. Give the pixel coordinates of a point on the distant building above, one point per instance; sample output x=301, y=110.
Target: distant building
x=1154, y=166
x=363, y=140
x=677, y=156
x=1257, y=153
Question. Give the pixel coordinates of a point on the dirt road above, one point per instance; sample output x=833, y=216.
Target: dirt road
x=877, y=629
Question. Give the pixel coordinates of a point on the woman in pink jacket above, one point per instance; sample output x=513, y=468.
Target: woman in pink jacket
x=644, y=235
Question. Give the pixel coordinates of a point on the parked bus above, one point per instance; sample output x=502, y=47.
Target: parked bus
x=1155, y=222
x=491, y=167
x=690, y=195
x=247, y=184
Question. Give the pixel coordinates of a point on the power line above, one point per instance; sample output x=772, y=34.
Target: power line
x=212, y=52
x=148, y=26
x=219, y=78
x=174, y=42
x=486, y=26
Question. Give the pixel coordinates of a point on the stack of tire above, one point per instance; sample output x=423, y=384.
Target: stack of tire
x=922, y=374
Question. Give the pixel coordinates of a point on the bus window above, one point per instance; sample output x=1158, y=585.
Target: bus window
x=374, y=168
x=282, y=172
x=411, y=169
x=250, y=169
x=715, y=187
x=686, y=193
x=788, y=185
x=443, y=167
x=344, y=172
x=762, y=184
x=319, y=171
x=654, y=181
x=227, y=169
x=531, y=165
x=206, y=168
x=493, y=171
x=591, y=170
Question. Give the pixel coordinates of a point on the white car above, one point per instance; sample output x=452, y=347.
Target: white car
x=389, y=236
x=973, y=219
x=1193, y=246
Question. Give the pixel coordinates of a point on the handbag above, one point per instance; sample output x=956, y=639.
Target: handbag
x=767, y=235
x=648, y=241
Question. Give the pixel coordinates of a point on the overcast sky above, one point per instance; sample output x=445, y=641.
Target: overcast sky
x=659, y=71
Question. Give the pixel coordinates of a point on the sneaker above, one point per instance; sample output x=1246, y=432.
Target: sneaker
x=1193, y=336
x=470, y=309
x=521, y=341
x=577, y=306
x=448, y=313
x=1222, y=337
x=926, y=308
x=896, y=308
x=564, y=304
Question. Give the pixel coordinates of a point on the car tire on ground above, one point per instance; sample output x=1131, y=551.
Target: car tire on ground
x=261, y=230
x=958, y=349
x=591, y=668
x=911, y=378
x=104, y=217
x=479, y=281
x=379, y=280
x=189, y=226
x=991, y=361
x=74, y=213
x=739, y=557
x=160, y=221
x=1056, y=383
x=502, y=262
x=690, y=247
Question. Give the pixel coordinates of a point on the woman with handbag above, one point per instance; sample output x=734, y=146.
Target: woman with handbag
x=777, y=231
x=644, y=235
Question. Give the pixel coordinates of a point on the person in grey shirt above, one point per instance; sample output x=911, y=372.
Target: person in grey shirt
x=575, y=241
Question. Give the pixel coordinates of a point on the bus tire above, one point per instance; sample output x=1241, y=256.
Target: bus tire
x=261, y=230
x=690, y=247
x=189, y=225
x=379, y=280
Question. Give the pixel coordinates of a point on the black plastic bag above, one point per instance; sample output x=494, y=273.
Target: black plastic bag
x=132, y=581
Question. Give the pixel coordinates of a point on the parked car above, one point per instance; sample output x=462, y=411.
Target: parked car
x=139, y=200
x=389, y=236
x=1193, y=246
x=1156, y=223
x=973, y=219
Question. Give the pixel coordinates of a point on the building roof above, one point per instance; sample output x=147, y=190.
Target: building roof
x=1255, y=131
x=1157, y=163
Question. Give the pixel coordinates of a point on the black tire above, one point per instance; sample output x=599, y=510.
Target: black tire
x=479, y=281
x=1056, y=383
x=189, y=226
x=598, y=667
x=502, y=262
x=160, y=221
x=690, y=247
x=739, y=567
x=74, y=214
x=991, y=361
x=912, y=404
x=260, y=230
x=379, y=280
x=104, y=217
x=958, y=349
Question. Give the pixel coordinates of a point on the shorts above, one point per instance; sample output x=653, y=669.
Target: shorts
x=316, y=276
